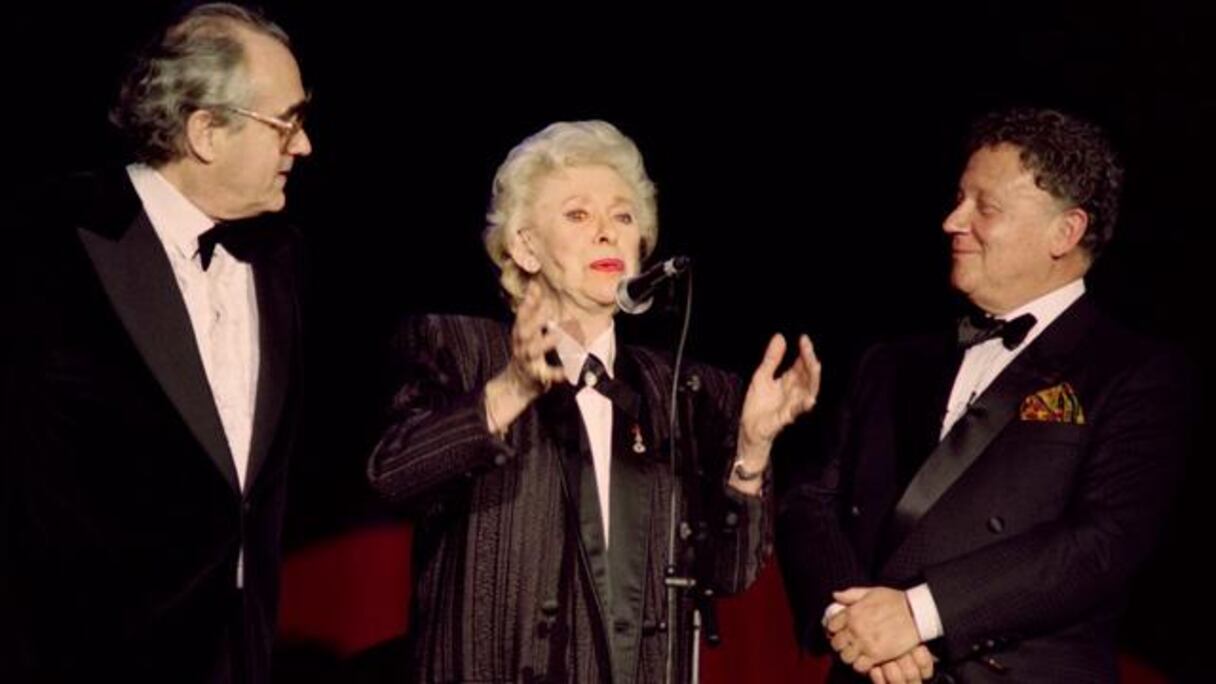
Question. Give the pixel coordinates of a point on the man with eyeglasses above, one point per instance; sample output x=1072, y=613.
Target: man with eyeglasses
x=151, y=404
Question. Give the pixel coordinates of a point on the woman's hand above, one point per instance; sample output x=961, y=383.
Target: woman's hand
x=771, y=404
x=528, y=375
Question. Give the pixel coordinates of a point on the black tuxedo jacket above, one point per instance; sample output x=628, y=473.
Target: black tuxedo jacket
x=1027, y=527
x=123, y=518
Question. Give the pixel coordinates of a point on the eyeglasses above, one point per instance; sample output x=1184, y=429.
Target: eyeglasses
x=288, y=129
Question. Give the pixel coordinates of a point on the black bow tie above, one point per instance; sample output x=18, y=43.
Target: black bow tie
x=238, y=238
x=977, y=329
x=595, y=376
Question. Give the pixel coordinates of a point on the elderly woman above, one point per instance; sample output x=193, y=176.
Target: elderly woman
x=542, y=490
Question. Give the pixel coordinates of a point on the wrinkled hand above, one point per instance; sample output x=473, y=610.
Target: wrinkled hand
x=875, y=627
x=532, y=337
x=912, y=667
x=527, y=375
x=772, y=403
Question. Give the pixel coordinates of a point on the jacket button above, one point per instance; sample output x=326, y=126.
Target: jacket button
x=732, y=519
x=549, y=607
x=500, y=459
x=996, y=525
x=693, y=382
x=855, y=511
x=995, y=665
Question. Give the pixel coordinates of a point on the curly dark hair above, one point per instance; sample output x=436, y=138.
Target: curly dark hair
x=1071, y=159
x=197, y=63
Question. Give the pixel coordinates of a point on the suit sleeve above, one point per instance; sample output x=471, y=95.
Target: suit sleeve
x=437, y=436
x=1058, y=571
x=742, y=523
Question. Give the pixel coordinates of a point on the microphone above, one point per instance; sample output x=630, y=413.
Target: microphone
x=635, y=295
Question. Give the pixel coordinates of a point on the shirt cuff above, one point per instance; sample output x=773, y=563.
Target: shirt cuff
x=924, y=612
x=831, y=610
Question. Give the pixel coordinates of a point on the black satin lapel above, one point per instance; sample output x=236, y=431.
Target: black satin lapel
x=633, y=483
x=139, y=281
x=276, y=339
x=965, y=442
x=560, y=417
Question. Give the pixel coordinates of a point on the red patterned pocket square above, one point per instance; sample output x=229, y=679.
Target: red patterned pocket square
x=1057, y=404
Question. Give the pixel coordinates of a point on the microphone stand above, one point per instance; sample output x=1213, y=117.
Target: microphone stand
x=691, y=611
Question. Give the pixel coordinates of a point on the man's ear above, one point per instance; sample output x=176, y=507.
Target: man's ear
x=202, y=131
x=1067, y=231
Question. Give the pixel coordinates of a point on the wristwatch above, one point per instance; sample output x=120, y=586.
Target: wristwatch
x=744, y=474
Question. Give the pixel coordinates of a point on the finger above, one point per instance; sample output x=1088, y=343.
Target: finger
x=528, y=326
x=839, y=641
x=545, y=373
x=538, y=311
x=772, y=357
x=893, y=673
x=539, y=343
x=851, y=595
x=924, y=661
x=864, y=664
x=876, y=676
x=908, y=668
x=519, y=327
x=806, y=350
x=798, y=398
x=531, y=301
x=546, y=358
x=850, y=653
x=838, y=621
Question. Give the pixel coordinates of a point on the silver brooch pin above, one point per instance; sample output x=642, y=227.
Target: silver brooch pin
x=639, y=447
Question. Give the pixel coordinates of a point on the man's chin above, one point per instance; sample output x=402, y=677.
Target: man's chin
x=276, y=204
x=961, y=280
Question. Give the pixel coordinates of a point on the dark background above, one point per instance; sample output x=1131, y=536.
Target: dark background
x=805, y=159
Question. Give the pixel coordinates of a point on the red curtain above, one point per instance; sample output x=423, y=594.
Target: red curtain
x=352, y=592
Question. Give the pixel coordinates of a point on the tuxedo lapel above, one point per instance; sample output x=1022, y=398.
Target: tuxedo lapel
x=139, y=281
x=273, y=280
x=921, y=403
x=560, y=417
x=1039, y=365
x=633, y=493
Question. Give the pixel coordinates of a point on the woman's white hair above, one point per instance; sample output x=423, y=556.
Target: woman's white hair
x=561, y=145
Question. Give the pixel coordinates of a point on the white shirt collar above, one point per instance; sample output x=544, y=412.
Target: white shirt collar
x=176, y=219
x=574, y=355
x=1047, y=308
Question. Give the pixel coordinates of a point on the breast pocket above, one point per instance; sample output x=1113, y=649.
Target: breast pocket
x=1035, y=467
x=1043, y=432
